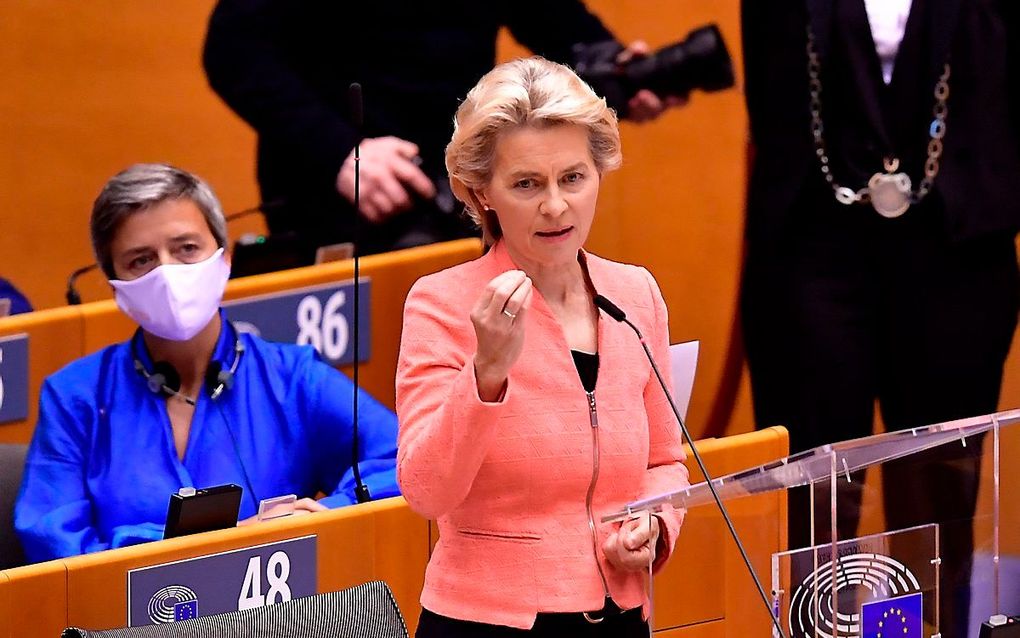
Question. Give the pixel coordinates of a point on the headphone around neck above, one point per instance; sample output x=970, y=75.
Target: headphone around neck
x=164, y=379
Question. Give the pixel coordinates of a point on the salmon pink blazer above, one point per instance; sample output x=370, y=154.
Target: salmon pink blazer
x=508, y=482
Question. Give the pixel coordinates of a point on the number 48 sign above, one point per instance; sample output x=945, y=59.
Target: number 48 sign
x=277, y=573
x=244, y=578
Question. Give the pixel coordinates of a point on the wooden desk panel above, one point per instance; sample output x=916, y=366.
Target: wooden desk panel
x=104, y=324
x=705, y=579
x=54, y=340
x=715, y=629
x=703, y=592
x=6, y=614
x=376, y=541
x=33, y=601
x=690, y=588
x=761, y=523
x=401, y=552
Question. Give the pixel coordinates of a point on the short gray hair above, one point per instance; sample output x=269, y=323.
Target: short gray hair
x=140, y=187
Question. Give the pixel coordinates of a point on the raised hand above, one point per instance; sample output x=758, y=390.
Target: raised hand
x=498, y=318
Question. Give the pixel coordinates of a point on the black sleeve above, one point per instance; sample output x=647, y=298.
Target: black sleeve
x=247, y=63
x=551, y=27
x=1011, y=17
x=752, y=54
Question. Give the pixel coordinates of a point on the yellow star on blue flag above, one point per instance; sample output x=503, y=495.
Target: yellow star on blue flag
x=898, y=617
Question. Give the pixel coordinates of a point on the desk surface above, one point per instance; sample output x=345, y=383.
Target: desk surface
x=384, y=540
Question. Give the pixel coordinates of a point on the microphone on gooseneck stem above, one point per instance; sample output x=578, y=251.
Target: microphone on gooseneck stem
x=357, y=106
x=358, y=118
x=71, y=293
x=619, y=315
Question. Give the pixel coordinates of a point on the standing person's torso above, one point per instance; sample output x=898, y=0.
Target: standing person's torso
x=521, y=542
x=864, y=118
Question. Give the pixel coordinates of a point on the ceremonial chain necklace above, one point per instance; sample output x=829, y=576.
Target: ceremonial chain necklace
x=890, y=193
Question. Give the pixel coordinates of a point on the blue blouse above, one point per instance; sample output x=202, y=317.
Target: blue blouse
x=102, y=463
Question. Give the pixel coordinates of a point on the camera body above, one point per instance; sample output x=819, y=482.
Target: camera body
x=699, y=61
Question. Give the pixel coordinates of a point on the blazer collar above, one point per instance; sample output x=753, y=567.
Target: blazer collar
x=501, y=261
x=942, y=16
x=820, y=16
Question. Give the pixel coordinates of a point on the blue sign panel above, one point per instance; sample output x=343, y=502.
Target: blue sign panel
x=322, y=316
x=215, y=584
x=13, y=378
x=898, y=617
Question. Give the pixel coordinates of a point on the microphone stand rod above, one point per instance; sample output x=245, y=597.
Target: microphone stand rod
x=620, y=316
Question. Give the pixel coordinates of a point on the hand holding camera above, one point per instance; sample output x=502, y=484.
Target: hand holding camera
x=625, y=77
x=390, y=178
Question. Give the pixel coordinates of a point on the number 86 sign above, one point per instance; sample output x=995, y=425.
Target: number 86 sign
x=320, y=316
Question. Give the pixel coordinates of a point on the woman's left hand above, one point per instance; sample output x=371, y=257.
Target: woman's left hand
x=632, y=546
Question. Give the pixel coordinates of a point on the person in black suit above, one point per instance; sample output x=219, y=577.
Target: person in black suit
x=904, y=292
x=285, y=67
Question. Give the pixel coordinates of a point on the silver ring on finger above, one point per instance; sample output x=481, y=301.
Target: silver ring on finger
x=509, y=314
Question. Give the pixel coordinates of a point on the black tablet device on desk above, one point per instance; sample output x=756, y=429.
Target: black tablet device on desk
x=192, y=511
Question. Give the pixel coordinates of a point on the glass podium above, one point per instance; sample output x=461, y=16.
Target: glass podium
x=909, y=533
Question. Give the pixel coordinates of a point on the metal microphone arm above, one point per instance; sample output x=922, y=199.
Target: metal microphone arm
x=71, y=294
x=357, y=112
x=262, y=207
x=616, y=313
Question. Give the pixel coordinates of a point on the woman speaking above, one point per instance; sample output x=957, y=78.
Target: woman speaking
x=524, y=417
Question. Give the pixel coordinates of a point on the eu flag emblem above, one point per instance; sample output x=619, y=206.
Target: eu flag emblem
x=898, y=617
x=185, y=610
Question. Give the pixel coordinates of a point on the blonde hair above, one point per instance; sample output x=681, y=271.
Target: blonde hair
x=525, y=92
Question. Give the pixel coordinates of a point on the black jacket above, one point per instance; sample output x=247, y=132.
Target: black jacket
x=285, y=67
x=980, y=166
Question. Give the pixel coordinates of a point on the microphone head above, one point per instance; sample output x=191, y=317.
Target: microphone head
x=609, y=308
x=212, y=374
x=71, y=294
x=217, y=379
x=155, y=382
x=164, y=378
x=357, y=105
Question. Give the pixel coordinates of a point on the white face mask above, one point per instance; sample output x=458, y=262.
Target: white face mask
x=175, y=301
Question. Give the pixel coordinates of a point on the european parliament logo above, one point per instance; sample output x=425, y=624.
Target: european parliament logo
x=173, y=603
x=899, y=617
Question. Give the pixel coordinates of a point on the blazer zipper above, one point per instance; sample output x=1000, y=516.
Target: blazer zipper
x=593, y=414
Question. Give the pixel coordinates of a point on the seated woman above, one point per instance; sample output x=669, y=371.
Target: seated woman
x=524, y=416
x=188, y=401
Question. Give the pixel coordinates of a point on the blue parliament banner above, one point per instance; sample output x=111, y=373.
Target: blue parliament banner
x=218, y=583
x=321, y=316
x=13, y=378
